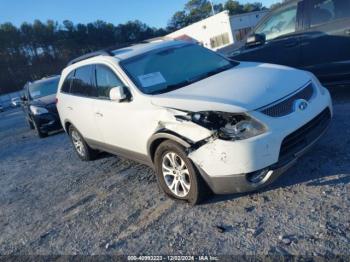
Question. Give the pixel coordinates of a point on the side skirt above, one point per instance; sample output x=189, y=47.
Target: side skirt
x=143, y=159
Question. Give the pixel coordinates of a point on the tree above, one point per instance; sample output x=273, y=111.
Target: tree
x=194, y=11
x=278, y=4
x=178, y=21
x=35, y=50
x=234, y=7
x=252, y=7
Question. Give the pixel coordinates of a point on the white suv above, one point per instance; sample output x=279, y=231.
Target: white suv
x=202, y=121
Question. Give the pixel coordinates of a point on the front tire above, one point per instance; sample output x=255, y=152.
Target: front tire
x=40, y=133
x=31, y=126
x=82, y=149
x=176, y=174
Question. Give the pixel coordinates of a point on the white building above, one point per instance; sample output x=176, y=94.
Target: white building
x=220, y=30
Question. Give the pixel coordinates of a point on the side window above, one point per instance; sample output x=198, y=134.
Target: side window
x=281, y=23
x=323, y=11
x=82, y=84
x=105, y=80
x=67, y=83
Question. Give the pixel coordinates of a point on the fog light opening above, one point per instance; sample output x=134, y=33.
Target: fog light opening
x=258, y=176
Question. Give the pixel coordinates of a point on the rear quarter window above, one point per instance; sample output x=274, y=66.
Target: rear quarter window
x=67, y=83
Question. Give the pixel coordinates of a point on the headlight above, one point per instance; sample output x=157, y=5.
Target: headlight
x=242, y=130
x=229, y=126
x=38, y=110
x=318, y=84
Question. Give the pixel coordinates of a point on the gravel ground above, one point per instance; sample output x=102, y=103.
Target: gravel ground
x=52, y=203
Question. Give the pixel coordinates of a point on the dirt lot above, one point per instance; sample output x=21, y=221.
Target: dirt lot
x=52, y=203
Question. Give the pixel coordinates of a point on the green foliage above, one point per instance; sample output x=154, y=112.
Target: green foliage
x=194, y=11
x=35, y=50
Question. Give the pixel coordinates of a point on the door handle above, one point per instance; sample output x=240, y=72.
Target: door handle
x=99, y=114
x=69, y=108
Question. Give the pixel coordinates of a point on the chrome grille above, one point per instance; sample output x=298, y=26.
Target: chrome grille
x=286, y=106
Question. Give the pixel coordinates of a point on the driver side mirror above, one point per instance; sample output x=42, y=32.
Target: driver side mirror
x=117, y=94
x=255, y=40
x=23, y=98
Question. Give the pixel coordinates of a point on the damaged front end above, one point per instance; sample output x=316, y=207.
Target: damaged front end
x=226, y=126
x=219, y=145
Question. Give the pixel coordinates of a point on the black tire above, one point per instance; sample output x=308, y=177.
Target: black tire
x=198, y=188
x=86, y=153
x=31, y=126
x=38, y=131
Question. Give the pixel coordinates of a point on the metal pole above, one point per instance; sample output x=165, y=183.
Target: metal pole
x=212, y=7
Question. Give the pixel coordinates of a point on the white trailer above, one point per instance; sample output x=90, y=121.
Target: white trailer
x=220, y=30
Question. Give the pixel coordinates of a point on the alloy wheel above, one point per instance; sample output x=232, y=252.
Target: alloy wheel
x=78, y=143
x=176, y=174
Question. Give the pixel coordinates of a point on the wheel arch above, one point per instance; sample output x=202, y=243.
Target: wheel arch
x=157, y=138
x=67, y=124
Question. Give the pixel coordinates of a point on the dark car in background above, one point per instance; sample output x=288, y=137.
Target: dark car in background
x=39, y=105
x=312, y=35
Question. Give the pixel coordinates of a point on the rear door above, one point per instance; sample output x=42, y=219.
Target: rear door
x=282, y=31
x=326, y=43
x=79, y=101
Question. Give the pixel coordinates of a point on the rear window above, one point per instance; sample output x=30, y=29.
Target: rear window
x=67, y=83
x=324, y=11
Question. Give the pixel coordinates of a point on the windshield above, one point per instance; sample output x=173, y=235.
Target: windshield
x=168, y=69
x=44, y=88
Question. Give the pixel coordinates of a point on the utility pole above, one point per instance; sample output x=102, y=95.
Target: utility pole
x=212, y=7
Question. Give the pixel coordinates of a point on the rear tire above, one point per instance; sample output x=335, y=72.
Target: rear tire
x=177, y=175
x=82, y=149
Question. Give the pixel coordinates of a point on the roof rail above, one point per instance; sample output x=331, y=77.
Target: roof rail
x=89, y=55
x=107, y=51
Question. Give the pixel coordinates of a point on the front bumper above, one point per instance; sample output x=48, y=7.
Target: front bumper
x=48, y=122
x=226, y=165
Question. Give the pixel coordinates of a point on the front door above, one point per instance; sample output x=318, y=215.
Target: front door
x=282, y=44
x=120, y=123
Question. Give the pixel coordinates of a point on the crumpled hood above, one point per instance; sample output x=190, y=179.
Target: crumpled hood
x=245, y=87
